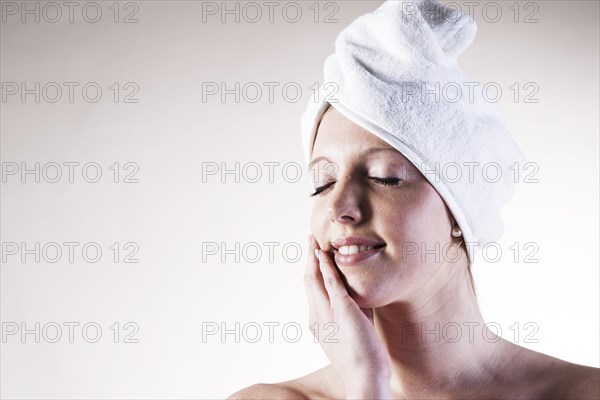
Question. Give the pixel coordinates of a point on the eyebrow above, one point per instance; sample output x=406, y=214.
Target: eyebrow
x=363, y=154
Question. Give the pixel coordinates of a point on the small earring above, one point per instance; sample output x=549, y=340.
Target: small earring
x=456, y=232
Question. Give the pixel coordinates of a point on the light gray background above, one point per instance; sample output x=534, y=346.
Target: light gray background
x=170, y=132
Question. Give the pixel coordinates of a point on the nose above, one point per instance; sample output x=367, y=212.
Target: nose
x=345, y=203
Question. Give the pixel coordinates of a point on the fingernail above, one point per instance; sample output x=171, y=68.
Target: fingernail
x=317, y=254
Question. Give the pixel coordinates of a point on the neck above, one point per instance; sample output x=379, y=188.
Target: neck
x=438, y=342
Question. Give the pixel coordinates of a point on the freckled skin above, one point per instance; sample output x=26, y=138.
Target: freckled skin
x=407, y=216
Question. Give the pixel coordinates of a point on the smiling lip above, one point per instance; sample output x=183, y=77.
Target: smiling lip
x=353, y=259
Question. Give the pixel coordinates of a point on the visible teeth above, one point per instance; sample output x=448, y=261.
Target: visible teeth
x=354, y=249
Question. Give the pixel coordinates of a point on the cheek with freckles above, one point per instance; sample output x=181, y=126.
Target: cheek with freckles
x=412, y=217
x=421, y=231
x=318, y=225
x=416, y=218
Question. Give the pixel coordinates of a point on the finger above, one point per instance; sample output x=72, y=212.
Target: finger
x=313, y=280
x=333, y=283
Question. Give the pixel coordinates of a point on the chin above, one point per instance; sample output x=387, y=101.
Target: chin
x=370, y=302
x=367, y=295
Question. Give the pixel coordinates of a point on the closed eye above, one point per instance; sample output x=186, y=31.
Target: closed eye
x=320, y=189
x=381, y=181
x=386, y=181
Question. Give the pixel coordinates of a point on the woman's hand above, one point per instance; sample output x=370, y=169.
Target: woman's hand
x=354, y=348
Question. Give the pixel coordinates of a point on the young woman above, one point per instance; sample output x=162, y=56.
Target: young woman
x=384, y=305
x=408, y=324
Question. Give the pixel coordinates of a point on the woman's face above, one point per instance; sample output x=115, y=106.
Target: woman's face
x=405, y=213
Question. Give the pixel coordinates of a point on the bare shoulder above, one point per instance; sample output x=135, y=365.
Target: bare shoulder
x=565, y=380
x=574, y=381
x=319, y=384
x=267, y=391
x=535, y=375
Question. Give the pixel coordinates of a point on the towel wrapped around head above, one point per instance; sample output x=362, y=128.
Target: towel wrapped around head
x=395, y=73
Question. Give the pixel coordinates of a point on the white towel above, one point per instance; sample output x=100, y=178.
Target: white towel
x=385, y=69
